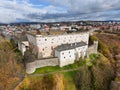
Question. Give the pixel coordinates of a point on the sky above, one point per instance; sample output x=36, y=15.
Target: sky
x=58, y=10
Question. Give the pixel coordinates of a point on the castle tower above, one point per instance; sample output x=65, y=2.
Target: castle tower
x=92, y=49
x=95, y=46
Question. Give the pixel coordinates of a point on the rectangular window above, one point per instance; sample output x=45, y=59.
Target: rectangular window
x=45, y=39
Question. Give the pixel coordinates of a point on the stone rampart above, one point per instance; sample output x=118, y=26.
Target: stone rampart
x=92, y=49
x=32, y=66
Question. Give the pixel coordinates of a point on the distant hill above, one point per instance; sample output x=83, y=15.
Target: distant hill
x=3, y=24
x=27, y=22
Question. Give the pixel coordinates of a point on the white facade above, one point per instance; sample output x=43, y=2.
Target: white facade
x=65, y=57
x=37, y=26
x=65, y=27
x=69, y=55
x=81, y=51
x=44, y=45
x=22, y=46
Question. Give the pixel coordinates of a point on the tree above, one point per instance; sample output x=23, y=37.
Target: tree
x=83, y=79
x=48, y=82
x=95, y=77
x=9, y=68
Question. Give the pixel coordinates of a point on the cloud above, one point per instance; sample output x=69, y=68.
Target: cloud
x=87, y=6
x=58, y=10
x=107, y=15
x=14, y=10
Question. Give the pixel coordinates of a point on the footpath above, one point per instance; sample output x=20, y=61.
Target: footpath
x=49, y=73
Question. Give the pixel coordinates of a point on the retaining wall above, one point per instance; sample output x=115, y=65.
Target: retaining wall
x=32, y=66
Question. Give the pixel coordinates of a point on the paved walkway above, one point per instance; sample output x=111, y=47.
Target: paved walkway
x=21, y=77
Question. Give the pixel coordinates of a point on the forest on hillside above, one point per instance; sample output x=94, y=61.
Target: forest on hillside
x=10, y=67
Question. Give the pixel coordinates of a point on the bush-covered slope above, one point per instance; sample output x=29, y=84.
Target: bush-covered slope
x=9, y=67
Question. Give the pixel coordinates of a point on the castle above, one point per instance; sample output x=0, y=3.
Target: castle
x=44, y=45
x=52, y=50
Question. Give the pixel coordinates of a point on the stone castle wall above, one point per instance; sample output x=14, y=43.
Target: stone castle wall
x=32, y=66
x=92, y=49
x=47, y=44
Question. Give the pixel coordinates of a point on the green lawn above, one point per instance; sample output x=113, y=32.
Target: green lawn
x=46, y=69
x=77, y=64
x=57, y=68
